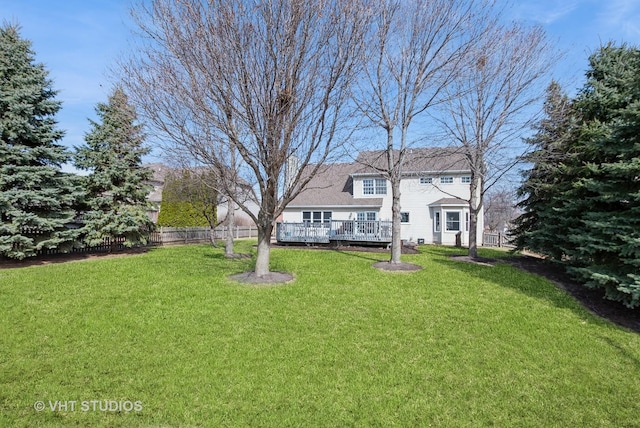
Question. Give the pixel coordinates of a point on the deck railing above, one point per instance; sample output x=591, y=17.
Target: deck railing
x=334, y=230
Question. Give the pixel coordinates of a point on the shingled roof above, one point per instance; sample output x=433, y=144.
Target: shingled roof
x=418, y=160
x=333, y=186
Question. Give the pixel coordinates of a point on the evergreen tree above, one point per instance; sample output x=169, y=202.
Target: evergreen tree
x=117, y=185
x=36, y=197
x=541, y=223
x=605, y=194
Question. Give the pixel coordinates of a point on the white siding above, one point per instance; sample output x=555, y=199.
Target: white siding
x=416, y=199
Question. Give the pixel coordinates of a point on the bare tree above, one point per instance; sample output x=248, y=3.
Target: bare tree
x=491, y=105
x=198, y=185
x=265, y=81
x=416, y=49
x=500, y=208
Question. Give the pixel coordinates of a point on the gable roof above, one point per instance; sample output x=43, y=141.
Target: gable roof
x=450, y=202
x=417, y=160
x=333, y=186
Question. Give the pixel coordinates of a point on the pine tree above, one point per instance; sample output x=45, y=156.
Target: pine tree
x=117, y=184
x=605, y=236
x=36, y=197
x=541, y=223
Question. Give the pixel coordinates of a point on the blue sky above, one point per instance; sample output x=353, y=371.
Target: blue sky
x=79, y=40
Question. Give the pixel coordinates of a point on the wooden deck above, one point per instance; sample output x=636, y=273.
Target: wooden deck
x=335, y=230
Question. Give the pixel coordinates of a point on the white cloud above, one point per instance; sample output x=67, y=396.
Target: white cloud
x=545, y=12
x=622, y=17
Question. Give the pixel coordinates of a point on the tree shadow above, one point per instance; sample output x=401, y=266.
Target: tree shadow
x=519, y=282
x=359, y=255
x=48, y=259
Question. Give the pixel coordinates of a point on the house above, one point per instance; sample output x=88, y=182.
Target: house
x=160, y=172
x=435, y=189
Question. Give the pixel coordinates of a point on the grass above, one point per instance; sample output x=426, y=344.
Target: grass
x=454, y=344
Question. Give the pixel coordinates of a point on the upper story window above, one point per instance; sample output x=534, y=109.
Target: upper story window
x=377, y=186
x=367, y=186
x=404, y=217
x=426, y=180
x=446, y=180
x=465, y=179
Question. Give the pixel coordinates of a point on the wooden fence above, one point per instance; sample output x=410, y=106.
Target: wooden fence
x=162, y=236
x=490, y=239
x=192, y=235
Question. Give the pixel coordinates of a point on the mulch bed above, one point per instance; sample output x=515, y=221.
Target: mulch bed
x=397, y=267
x=272, y=278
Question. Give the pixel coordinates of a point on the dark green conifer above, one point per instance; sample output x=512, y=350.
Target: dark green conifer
x=117, y=186
x=582, y=196
x=605, y=250
x=36, y=197
x=538, y=227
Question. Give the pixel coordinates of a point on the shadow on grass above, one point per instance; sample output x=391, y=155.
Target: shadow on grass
x=49, y=259
x=361, y=255
x=624, y=353
x=520, y=281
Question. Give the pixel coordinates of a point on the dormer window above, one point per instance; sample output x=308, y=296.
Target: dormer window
x=377, y=186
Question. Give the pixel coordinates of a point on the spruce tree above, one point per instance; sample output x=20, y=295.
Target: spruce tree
x=117, y=185
x=605, y=236
x=36, y=197
x=543, y=221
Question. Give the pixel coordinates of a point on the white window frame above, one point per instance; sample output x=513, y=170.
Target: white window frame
x=426, y=180
x=368, y=186
x=317, y=217
x=448, y=222
x=408, y=217
x=367, y=215
x=436, y=221
x=465, y=179
x=446, y=180
x=374, y=186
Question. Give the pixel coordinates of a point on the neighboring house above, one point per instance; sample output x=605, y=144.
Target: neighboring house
x=434, y=192
x=160, y=172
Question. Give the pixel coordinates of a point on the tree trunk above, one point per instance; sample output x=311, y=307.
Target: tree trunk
x=264, y=250
x=230, y=221
x=473, y=232
x=396, y=241
x=474, y=208
x=212, y=235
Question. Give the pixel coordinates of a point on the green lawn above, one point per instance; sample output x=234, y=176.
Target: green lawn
x=454, y=344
